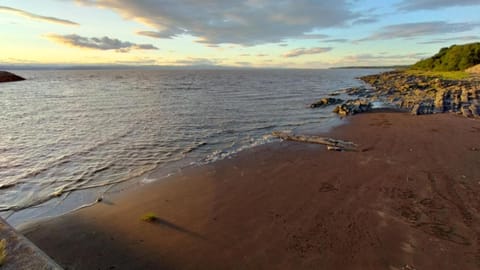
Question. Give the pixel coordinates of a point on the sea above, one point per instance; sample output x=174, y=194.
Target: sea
x=68, y=136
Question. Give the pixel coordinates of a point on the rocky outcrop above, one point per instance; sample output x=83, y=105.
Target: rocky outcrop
x=9, y=77
x=325, y=102
x=417, y=94
x=351, y=107
x=426, y=95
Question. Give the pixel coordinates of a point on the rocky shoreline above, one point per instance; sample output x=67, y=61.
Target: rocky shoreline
x=9, y=77
x=418, y=94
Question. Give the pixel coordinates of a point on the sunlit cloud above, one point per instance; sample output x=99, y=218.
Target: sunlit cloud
x=29, y=15
x=137, y=61
x=197, y=62
x=103, y=43
x=451, y=39
x=419, y=29
x=379, y=59
x=248, y=22
x=304, y=51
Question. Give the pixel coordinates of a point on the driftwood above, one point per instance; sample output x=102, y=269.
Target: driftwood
x=332, y=144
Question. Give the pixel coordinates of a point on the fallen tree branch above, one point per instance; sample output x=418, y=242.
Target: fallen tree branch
x=332, y=144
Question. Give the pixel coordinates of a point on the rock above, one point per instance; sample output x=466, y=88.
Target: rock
x=352, y=107
x=466, y=111
x=415, y=110
x=475, y=109
x=439, y=101
x=325, y=102
x=425, y=95
x=426, y=107
x=418, y=94
x=9, y=77
x=355, y=91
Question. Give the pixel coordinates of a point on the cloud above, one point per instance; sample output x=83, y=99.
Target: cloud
x=243, y=63
x=383, y=57
x=336, y=40
x=192, y=61
x=365, y=20
x=303, y=51
x=412, y=5
x=311, y=36
x=138, y=61
x=451, y=39
x=35, y=16
x=245, y=22
x=378, y=59
x=103, y=43
x=412, y=30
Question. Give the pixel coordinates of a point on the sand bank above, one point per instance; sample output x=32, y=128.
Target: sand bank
x=408, y=200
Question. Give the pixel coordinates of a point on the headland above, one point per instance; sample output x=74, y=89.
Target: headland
x=6, y=76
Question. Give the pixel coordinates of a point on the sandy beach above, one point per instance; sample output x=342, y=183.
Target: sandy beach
x=409, y=199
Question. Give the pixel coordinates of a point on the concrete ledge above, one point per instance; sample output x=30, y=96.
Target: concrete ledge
x=21, y=253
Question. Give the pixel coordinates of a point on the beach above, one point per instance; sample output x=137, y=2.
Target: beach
x=408, y=199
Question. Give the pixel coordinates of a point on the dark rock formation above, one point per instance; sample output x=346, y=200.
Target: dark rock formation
x=351, y=107
x=426, y=95
x=325, y=102
x=9, y=77
x=417, y=94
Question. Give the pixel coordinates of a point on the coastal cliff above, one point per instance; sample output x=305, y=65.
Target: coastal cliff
x=9, y=77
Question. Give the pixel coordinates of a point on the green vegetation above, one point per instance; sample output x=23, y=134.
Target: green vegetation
x=446, y=75
x=454, y=58
x=3, y=251
x=149, y=217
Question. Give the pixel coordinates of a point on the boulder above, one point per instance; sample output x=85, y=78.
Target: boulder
x=352, y=107
x=325, y=102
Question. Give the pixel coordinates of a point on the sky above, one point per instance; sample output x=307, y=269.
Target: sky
x=237, y=33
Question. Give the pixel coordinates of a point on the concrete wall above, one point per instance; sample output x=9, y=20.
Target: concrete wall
x=21, y=253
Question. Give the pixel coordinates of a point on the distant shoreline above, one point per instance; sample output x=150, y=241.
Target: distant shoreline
x=153, y=67
x=373, y=67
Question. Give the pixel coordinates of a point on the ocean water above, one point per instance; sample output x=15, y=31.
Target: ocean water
x=67, y=136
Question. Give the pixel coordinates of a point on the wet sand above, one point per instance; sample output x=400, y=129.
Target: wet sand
x=409, y=200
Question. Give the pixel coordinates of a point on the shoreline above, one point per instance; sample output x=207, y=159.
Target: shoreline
x=285, y=205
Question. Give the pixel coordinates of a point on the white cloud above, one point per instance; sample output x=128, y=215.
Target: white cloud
x=412, y=30
x=37, y=17
x=451, y=40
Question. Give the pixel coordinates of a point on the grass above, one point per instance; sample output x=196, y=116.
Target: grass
x=3, y=251
x=150, y=217
x=447, y=75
